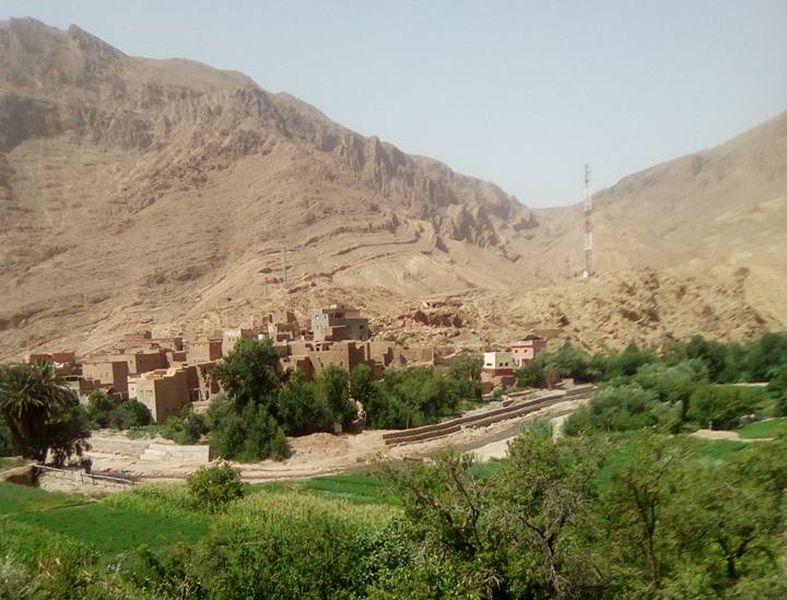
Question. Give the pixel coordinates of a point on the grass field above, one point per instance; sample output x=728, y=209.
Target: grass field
x=27, y=514
x=6, y=462
x=764, y=429
x=33, y=520
x=358, y=488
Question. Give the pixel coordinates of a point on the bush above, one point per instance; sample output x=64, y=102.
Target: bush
x=104, y=410
x=410, y=398
x=250, y=435
x=777, y=388
x=99, y=409
x=186, y=428
x=723, y=406
x=300, y=411
x=333, y=392
x=213, y=488
x=618, y=408
x=132, y=413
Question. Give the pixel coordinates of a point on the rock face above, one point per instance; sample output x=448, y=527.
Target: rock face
x=168, y=193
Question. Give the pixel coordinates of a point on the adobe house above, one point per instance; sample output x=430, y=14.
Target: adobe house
x=312, y=357
x=526, y=349
x=281, y=326
x=171, y=343
x=81, y=387
x=111, y=373
x=498, y=363
x=204, y=351
x=201, y=383
x=163, y=391
x=139, y=362
x=66, y=357
x=230, y=337
x=337, y=323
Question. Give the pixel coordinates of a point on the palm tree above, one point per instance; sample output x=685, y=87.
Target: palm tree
x=31, y=398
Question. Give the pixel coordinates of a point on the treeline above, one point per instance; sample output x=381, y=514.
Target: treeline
x=249, y=421
x=261, y=406
x=587, y=517
x=645, y=516
x=760, y=360
x=684, y=389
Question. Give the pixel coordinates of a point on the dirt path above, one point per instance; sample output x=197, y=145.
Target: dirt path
x=325, y=454
x=713, y=434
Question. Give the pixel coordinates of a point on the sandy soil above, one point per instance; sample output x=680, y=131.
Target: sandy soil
x=324, y=454
x=712, y=434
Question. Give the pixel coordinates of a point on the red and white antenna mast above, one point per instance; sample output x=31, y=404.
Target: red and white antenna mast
x=588, y=270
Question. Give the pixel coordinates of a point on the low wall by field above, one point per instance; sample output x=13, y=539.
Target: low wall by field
x=174, y=452
x=117, y=444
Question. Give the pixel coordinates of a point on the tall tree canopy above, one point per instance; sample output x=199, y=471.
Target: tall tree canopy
x=41, y=413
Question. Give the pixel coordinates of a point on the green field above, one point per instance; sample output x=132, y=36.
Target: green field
x=33, y=520
x=764, y=429
x=29, y=513
x=6, y=462
x=160, y=516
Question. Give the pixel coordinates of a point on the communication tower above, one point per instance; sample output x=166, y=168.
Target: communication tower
x=588, y=270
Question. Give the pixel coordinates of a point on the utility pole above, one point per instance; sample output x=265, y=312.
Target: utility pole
x=588, y=270
x=284, y=267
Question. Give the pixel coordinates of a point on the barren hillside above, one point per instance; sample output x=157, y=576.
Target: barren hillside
x=167, y=194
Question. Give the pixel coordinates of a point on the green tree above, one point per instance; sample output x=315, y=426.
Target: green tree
x=777, y=388
x=248, y=374
x=185, y=428
x=464, y=377
x=723, y=405
x=131, y=413
x=739, y=515
x=765, y=357
x=448, y=507
x=628, y=362
x=714, y=356
x=543, y=497
x=333, y=390
x=41, y=412
x=99, y=409
x=362, y=386
x=250, y=435
x=213, y=488
x=300, y=410
x=640, y=527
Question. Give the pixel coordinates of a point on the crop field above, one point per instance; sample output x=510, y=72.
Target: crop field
x=30, y=516
x=34, y=520
x=764, y=429
x=159, y=516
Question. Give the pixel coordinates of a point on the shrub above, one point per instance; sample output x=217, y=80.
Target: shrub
x=777, y=388
x=333, y=392
x=99, y=409
x=105, y=411
x=723, y=406
x=132, y=413
x=250, y=435
x=623, y=408
x=186, y=428
x=300, y=411
x=213, y=488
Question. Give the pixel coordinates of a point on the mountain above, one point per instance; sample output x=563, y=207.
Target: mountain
x=165, y=193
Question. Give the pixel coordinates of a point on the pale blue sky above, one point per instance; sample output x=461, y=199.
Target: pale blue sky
x=519, y=93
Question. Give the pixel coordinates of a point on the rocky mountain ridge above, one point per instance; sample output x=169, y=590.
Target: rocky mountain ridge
x=139, y=192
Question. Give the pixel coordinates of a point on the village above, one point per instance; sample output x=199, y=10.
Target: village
x=168, y=373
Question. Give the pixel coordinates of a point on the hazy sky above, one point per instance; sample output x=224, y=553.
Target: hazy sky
x=520, y=93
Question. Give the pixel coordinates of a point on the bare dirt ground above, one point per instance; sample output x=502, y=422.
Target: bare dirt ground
x=712, y=434
x=325, y=454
